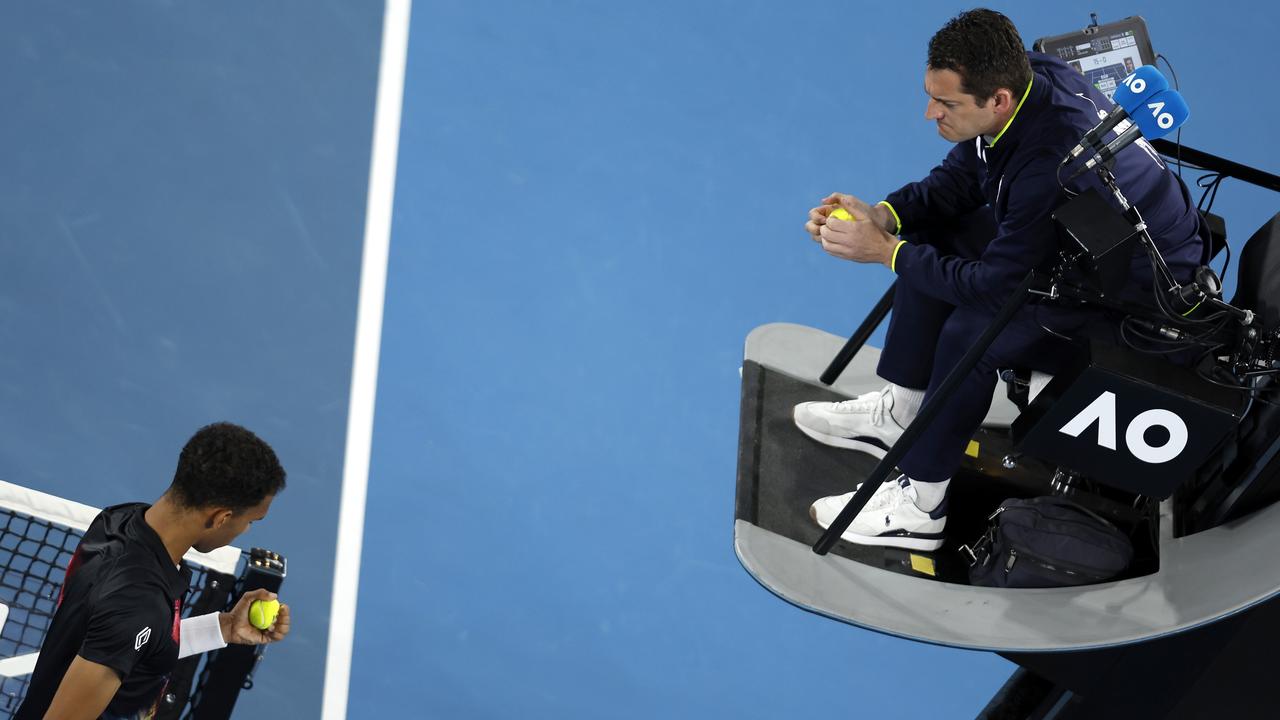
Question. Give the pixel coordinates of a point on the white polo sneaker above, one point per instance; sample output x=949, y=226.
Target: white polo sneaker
x=884, y=486
x=890, y=518
x=864, y=423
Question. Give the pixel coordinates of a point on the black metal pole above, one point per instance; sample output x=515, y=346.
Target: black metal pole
x=1219, y=165
x=935, y=403
x=859, y=337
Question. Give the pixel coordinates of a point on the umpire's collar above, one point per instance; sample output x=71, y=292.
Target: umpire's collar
x=1014, y=129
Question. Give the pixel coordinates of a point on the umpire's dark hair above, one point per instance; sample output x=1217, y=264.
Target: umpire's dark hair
x=225, y=465
x=985, y=49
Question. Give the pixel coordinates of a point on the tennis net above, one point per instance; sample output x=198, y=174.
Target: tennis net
x=38, y=535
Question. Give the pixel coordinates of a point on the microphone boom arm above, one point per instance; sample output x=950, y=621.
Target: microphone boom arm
x=1175, y=288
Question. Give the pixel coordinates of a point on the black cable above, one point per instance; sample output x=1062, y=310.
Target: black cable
x=1070, y=193
x=1160, y=270
x=1124, y=337
x=1210, y=183
x=1178, y=140
x=1186, y=342
x=1254, y=393
x=1175, y=345
x=1225, y=263
x=1172, y=72
x=1160, y=273
x=1035, y=313
x=1186, y=163
x=1157, y=260
x=1052, y=332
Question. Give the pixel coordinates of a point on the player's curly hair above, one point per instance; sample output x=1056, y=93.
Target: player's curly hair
x=984, y=48
x=225, y=465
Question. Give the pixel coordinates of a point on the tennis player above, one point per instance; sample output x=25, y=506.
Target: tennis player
x=118, y=630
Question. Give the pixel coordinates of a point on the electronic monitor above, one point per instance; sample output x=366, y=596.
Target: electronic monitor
x=1103, y=53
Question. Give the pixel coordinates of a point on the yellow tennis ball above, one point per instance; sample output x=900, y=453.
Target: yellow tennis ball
x=262, y=613
x=842, y=214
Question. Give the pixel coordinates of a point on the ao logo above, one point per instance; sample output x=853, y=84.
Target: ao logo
x=1138, y=85
x=1163, y=119
x=1103, y=412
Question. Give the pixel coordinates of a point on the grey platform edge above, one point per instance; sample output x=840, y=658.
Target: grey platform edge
x=1202, y=578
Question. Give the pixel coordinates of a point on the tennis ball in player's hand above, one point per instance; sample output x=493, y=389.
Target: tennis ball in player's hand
x=262, y=613
x=842, y=214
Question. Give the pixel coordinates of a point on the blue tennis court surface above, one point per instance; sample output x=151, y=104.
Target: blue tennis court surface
x=182, y=208
x=595, y=202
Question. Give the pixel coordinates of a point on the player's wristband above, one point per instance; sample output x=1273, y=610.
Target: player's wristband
x=893, y=261
x=200, y=634
x=894, y=213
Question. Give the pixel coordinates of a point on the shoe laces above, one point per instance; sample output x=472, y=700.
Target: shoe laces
x=875, y=403
x=893, y=496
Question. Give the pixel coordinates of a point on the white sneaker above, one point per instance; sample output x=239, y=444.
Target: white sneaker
x=884, y=487
x=865, y=423
x=890, y=518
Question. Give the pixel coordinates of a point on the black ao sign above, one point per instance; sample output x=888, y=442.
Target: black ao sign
x=1124, y=431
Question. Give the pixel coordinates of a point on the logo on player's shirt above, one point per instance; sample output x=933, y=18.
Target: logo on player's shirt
x=142, y=638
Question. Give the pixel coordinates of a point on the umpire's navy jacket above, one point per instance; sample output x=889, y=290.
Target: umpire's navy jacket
x=1016, y=175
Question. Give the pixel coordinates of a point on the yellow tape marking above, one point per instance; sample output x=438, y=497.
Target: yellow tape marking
x=922, y=564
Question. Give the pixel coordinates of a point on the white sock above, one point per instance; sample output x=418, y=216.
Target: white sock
x=929, y=495
x=906, y=404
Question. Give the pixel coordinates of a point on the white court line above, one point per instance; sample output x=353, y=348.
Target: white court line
x=364, y=369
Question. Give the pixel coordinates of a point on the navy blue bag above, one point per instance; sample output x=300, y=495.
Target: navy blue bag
x=1047, y=542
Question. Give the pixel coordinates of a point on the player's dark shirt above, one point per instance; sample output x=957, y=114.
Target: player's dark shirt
x=120, y=606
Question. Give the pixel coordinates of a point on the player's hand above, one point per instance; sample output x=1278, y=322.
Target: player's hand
x=235, y=624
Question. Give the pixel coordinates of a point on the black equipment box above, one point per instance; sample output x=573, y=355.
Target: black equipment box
x=1128, y=420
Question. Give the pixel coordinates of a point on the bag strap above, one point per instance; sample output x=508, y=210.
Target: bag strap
x=981, y=548
x=1062, y=502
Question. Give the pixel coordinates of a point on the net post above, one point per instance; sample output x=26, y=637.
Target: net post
x=229, y=670
x=214, y=596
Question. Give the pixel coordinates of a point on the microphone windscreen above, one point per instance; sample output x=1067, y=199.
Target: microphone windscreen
x=1138, y=86
x=1160, y=114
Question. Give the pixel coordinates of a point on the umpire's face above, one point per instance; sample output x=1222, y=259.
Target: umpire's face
x=959, y=115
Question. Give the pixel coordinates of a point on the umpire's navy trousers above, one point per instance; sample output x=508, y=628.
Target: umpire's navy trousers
x=927, y=338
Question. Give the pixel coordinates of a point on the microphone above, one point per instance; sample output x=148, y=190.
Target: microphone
x=1129, y=96
x=1158, y=116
